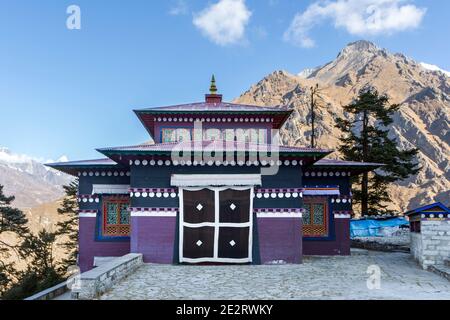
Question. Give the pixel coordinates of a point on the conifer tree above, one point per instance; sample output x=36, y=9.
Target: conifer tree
x=366, y=139
x=42, y=269
x=11, y=220
x=68, y=227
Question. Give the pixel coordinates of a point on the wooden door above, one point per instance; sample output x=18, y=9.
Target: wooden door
x=216, y=225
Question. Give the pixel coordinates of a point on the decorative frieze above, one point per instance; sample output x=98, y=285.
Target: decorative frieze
x=110, y=173
x=110, y=188
x=153, y=192
x=327, y=174
x=240, y=163
x=279, y=212
x=278, y=193
x=321, y=191
x=153, y=212
x=88, y=198
x=437, y=216
x=213, y=119
x=342, y=214
x=341, y=199
x=87, y=213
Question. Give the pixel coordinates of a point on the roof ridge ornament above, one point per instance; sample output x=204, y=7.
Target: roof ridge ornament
x=213, y=87
x=213, y=97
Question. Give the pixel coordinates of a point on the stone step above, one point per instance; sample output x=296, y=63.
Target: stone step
x=442, y=270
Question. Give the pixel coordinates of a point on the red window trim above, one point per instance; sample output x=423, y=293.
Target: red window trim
x=310, y=230
x=119, y=229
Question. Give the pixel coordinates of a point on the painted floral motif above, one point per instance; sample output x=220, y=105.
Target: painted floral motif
x=124, y=214
x=176, y=135
x=111, y=213
x=307, y=215
x=318, y=214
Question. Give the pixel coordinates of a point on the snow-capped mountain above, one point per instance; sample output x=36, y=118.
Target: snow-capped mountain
x=29, y=180
x=432, y=67
x=307, y=73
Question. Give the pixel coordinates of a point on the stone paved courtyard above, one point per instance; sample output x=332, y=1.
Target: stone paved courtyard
x=316, y=278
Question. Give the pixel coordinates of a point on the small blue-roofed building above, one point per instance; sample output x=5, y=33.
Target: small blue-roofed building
x=430, y=234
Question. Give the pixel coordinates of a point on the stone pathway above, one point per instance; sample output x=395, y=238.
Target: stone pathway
x=316, y=278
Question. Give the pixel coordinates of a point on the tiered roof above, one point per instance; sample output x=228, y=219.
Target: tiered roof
x=223, y=112
x=72, y=167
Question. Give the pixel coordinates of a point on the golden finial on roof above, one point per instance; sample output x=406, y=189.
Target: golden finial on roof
x=213, y=88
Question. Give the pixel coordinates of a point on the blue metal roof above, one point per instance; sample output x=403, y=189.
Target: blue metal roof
x=428, y=207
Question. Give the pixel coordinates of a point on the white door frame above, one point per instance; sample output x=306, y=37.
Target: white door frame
x=216, y=224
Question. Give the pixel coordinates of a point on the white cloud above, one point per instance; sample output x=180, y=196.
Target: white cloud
x=6, y=156
x=179, y=9
x=358, y=17
x=224, y=22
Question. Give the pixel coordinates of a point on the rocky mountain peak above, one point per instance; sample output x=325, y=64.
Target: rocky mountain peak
x=422, y=121
x=360, y=46
x=29, y=180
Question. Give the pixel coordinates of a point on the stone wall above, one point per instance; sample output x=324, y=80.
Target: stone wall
x=416, y=246
x=92, y=284
x=50, y=293
x=432, y=245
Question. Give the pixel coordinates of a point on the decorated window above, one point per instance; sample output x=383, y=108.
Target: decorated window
x=116, y=217
x=175, y=135
x=315, y=217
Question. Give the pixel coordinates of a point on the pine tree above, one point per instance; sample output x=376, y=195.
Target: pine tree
x=42, y=269
x=39, y=250
x=315, y=100
x=68, y=228
x=11, y=220
x=366, y=139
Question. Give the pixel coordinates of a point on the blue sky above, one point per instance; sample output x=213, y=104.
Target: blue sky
x=67, y=92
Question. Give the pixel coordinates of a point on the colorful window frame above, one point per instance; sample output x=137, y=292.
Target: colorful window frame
x=316, y=217
x=177, y=134
x=253, y=135
x=116, y=217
